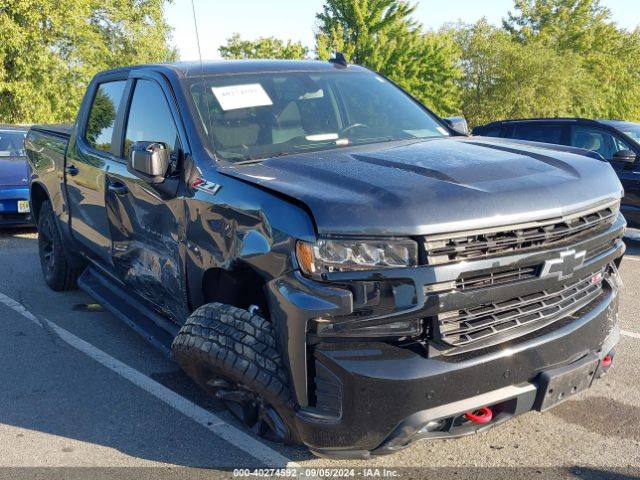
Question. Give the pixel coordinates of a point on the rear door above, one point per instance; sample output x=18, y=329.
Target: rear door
x=89, y=155
x=145, y=221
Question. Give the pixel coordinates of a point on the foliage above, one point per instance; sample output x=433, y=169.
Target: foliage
x=582, y=31
x=575, y=25
x=381, y=35
x=504, y=79
x=548, y=58
x=355, y=27
x=263, y=47
x=49, y=50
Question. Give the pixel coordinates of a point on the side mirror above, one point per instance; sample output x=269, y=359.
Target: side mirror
x=149, y=161
x=626, y=156
x=459, y=124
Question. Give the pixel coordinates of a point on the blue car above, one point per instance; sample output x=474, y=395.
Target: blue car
x=14, y=178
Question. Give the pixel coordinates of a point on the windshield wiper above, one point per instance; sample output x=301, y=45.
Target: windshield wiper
x=313, y=146
x=261, y=158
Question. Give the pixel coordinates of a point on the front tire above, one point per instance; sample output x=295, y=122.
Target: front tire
x=58, y=274
x=232, y=354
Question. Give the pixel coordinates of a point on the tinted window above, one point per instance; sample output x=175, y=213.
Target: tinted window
x=257, y=116
x=597, y=140
x=488, y=132
x=539, y=133
x=103, y=114
x=150, y=118
x=632, y=130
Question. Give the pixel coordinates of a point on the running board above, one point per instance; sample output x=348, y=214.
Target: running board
x=157, y=330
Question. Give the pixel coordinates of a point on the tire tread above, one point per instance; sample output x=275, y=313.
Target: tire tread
x=238, y=345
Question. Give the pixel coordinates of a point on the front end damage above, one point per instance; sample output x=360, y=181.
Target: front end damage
x=483, y=329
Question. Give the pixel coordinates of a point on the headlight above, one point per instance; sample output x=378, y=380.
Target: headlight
x=348, y=255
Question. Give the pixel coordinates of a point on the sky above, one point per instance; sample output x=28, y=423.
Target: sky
x=295, y=19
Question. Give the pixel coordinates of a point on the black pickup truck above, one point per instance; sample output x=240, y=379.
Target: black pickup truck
x=329, y=258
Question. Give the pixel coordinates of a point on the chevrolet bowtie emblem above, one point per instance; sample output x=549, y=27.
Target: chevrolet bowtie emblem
x=564, y=266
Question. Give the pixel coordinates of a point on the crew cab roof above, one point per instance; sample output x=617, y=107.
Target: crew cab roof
x=230, y=67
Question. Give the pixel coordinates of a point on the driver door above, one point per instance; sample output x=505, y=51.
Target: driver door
x=146, y=220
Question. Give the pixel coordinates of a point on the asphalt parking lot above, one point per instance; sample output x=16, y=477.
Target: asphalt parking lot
x=79, y=389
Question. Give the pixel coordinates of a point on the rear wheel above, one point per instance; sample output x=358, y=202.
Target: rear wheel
x=232, y=354
x=58, y=274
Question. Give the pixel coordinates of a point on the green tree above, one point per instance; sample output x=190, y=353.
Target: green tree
x=576, y=25
x=506, y=79
x=583, y=30
x=263, y=47
x=381, y=34
x=49, y=50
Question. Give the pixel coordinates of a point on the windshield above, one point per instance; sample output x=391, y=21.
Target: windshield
x=256, y=116
x=12, y=143
x=632, y=131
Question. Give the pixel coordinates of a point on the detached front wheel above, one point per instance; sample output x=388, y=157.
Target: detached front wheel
x=57, y=272
x=232, y=354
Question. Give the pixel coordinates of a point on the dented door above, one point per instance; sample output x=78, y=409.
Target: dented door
x=145, y=233
x=145, y=220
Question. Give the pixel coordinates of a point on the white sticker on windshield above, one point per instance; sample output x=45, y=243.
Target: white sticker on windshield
x=234, y=97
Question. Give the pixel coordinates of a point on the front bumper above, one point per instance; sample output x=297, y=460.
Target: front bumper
x=390, y=397
x=363, y=397
x=9, y=215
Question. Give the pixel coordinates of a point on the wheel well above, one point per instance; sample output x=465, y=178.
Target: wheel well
x=240, y=287
x=38, y=196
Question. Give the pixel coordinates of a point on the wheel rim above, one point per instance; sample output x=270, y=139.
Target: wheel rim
x=47, y=256
x=252, y=410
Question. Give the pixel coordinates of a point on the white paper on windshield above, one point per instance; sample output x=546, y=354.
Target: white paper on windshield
x=234, y=97
x=322, y=137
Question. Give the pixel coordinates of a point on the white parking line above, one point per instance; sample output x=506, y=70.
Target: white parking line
x=208, y=420
x=633, y=259
x=626, y=333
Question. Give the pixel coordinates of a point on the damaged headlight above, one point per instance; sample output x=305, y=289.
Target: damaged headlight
x=327, y=256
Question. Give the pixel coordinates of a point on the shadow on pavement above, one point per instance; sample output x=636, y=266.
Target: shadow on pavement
x=588, y=473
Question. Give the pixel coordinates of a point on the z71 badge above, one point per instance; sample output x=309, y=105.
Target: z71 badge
x=206, y=186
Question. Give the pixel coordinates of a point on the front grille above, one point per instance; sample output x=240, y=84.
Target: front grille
x=467, y=326
x=518, y=238
x=492, y=279
x=473, y=281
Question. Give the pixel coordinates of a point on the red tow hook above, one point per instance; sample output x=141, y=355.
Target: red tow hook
x=607, y=361
x=481, y=415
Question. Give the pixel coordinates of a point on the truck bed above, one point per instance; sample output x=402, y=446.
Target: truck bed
x=46, y=147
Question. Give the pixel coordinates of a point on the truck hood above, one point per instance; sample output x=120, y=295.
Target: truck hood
x=434, y=186
x=13, y=172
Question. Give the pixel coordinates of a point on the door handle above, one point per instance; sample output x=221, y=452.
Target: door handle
x=71, y=170
x=118, y=188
